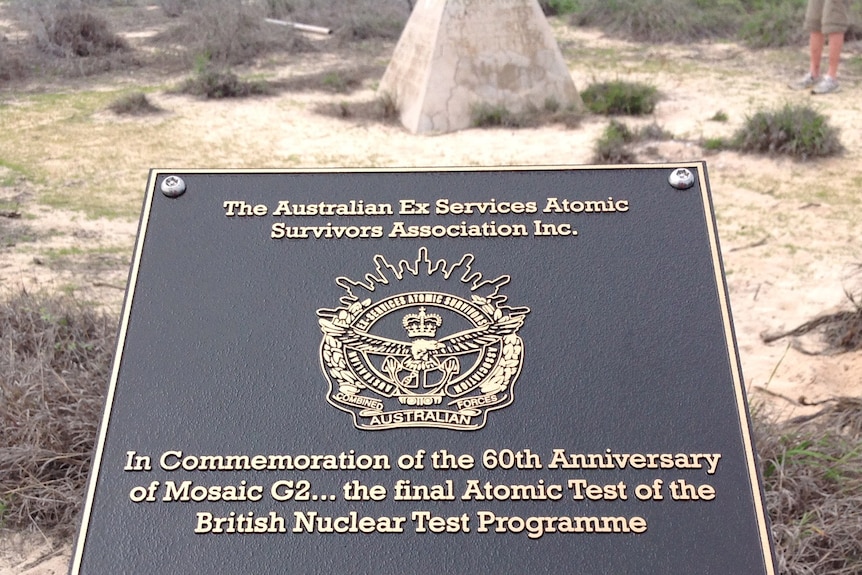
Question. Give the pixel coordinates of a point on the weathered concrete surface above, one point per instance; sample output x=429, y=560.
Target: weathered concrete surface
x=456, y=54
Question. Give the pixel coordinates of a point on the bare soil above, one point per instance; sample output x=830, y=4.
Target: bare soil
x=788, y=230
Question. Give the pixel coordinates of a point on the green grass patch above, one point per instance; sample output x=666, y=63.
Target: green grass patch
x=720, y=116
x=714, y=144
x=620, y=97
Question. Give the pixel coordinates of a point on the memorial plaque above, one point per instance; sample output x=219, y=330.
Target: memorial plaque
x=500, y=371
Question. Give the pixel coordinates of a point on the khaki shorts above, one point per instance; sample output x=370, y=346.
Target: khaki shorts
x=827, y=16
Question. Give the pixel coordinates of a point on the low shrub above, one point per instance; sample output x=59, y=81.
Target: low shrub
x=134, y=104
x=714, y=144
x=559, y=7
x=620, y=97
x=11, y=67
x=793, y=130
x=214, y=84
x=653, y=132
x=174, y=8
x=225, y=33
x=612, y=146
x=71, y=29
x=488, y=116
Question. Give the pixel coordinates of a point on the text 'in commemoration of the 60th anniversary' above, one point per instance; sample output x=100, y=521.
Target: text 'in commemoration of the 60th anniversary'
x=300, y=498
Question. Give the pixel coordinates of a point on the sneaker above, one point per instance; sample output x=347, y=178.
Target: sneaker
x=826, y=85
x=805, y=83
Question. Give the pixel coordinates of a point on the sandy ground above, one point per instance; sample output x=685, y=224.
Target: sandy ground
x=789, y=231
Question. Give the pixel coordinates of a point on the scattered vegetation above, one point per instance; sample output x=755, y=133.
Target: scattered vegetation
x=758, y=23
x=134, y=104
x=382, y=109
x=69, y=37
x=714, y=144
x=551, y=112
x=11, y=66
x=776, y=23
x=720, y=116
x=614, y=145
x=659, y=20
x=174, y=8
x=841, y=331
x=12, y=231
x=337, y=80
x=559, y=7
x=225, y=33
x=53, y=372
x=620, y=97
x=794, y=130
x=350, y=21
x=211, y=83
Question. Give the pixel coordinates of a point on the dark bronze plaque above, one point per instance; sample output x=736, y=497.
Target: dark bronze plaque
x=500, y=371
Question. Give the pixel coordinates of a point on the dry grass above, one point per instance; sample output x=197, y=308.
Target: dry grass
x=134, y=104
x=812, y=470
x=383, y=110
x=55, y=357
x=55, y=363
x=841, y=331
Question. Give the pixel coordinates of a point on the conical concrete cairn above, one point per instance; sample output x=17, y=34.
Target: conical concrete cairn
x=457, y=55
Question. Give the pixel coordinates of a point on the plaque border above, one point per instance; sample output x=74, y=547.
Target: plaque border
x=755, y=482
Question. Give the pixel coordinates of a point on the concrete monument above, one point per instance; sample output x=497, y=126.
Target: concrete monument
x=458, y=54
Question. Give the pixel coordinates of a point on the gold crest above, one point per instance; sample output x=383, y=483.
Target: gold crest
x=422, y=344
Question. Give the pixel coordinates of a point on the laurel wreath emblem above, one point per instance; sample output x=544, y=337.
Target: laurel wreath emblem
x=335, y=364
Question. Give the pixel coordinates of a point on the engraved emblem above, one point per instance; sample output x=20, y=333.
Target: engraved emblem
x=422, y=344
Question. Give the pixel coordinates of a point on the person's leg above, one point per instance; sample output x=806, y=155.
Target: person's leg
x=816, y=40
x=836, y=42
x=815, y=45
x=835, y=21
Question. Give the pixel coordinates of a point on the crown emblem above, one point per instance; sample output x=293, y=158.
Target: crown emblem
x=422, y=324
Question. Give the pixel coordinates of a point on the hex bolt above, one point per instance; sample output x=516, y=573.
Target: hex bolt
x=173, y=186
x=681, y=179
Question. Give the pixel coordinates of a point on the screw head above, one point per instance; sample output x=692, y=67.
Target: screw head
x=681, y=179
x=173, y=186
